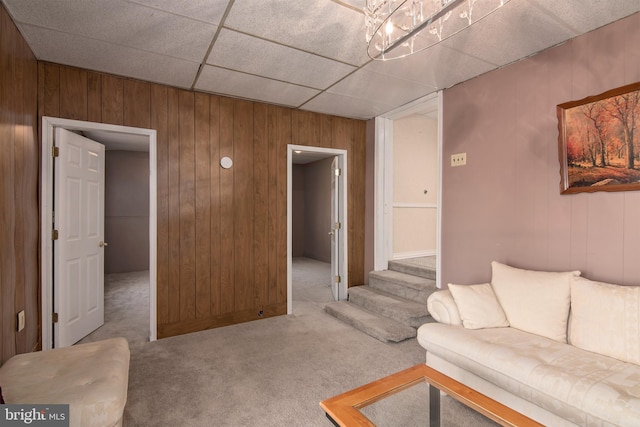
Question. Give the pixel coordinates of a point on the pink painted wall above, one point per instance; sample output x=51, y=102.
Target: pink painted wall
x=505, y=204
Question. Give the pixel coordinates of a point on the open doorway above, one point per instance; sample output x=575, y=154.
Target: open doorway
x=317, y=223
x=311, y=222
x=118, y=138
x=407, y=193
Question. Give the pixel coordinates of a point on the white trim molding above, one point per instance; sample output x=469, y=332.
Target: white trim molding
x=344, y=264
x=46, y=215
x=415, y=205
x=383, y=184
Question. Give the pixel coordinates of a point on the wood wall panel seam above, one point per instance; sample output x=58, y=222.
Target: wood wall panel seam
x=202, y=206
x=159, y=120
x=215, y=221
x=173, y=264
x=186, y=123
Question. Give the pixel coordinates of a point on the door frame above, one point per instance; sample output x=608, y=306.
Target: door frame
x=344, y=265
x=46, y=215
x=383, y=182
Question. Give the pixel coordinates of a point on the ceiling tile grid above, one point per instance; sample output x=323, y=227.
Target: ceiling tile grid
x=510, y=33
x=121, y=23
x=302, y=54
x=325, y=28
x=438, y=67
x=247, y=86
x=380, y=88
x=210, y=11
x=53, y=46
x=340, y=105
x=275, y=61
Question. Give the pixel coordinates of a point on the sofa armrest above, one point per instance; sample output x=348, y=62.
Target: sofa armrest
x=443, y=308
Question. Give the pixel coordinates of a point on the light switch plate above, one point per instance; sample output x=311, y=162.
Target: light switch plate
x=21, y=320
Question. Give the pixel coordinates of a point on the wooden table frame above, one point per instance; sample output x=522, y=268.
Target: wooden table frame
x=344, y=410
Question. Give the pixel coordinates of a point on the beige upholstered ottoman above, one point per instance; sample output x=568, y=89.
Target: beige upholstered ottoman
x=92, y=378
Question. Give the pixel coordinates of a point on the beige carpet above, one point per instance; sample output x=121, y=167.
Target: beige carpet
x=271, y=372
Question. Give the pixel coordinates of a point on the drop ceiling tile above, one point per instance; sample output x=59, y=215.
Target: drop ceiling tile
x=345, y=106
x=380, y=88
x=515, y=31
x=438, y=67
x=241, y=85
x=324, y=28
x=122, y=23
x=275, y=61
x=68, y=49
x=586, y=15
x=210, y=11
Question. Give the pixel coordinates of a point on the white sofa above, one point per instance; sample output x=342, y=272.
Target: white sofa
x=92, y=378
x=557, y=347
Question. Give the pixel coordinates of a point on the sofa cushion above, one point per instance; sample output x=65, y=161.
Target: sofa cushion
x=605, y=319
x=478, y=306
x=534, y=301
x=586, y=388
x=443, y=308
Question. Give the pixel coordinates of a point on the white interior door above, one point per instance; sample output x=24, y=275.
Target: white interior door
x=336, y=229
x=78, y=252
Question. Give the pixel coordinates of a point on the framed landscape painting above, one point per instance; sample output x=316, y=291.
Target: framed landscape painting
x=599, y=142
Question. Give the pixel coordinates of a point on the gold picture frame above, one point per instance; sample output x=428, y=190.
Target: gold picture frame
x=599, y=142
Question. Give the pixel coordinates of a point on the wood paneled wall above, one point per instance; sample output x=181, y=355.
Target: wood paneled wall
x=19, y=222
x=222, y=233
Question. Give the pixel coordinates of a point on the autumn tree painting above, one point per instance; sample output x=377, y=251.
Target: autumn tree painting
x=600, y=142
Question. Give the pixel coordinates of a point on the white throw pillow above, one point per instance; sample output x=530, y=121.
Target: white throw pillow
x=605, y=319
x=534, y=301
x=478, y=306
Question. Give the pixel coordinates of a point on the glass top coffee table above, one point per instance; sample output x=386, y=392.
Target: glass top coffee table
x=345, y=410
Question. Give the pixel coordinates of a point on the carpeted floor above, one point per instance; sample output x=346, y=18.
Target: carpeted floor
x=271, y=372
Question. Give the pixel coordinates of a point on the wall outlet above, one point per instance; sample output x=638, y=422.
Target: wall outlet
x=459, y=159
x=21, y=321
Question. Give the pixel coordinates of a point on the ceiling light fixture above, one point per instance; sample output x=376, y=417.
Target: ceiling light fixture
x=397, y=28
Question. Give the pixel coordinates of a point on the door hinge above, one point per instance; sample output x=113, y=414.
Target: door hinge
x=55, y=151
x=54, y=317
x=338, y=279
x=338, y=171
x=54, y=234
x=338, y=226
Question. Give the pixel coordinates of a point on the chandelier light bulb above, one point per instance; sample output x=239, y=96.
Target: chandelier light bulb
x=395, y=27
x=388, y=28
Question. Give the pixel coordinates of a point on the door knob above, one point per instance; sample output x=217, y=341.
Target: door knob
x=103, y=244
x=331, y=233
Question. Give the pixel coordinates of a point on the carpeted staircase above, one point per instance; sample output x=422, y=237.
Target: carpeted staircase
x=394, y=304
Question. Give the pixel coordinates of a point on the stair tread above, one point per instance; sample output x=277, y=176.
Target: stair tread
x=381, y=328
x=421, y=266
x=408, y=280
x=390, y=301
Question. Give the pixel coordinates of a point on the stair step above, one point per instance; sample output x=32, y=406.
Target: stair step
x=421, y=267
x=381, y=328
x=401, y=310
x=403, y=285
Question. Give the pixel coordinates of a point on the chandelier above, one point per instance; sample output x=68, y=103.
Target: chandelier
x=397, y=28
